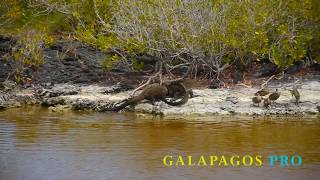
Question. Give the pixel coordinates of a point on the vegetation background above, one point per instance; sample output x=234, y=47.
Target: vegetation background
x=206, y=34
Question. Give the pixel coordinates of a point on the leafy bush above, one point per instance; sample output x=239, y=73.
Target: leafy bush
x=211, y=34
x=28, y=52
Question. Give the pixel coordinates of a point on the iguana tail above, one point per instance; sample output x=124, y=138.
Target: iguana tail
x=183, y=90
x=177, y=103
x=120, y=105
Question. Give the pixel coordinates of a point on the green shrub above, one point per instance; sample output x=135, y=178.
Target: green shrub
x=211, y=33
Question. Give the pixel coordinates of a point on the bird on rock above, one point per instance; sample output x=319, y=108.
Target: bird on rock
x=256, y=100
x=266, y=103
x=274, y=96
x=295, y=93
x=262, y=92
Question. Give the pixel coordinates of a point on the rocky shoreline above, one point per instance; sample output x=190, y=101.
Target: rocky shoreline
x=232, y=101
x=77, y=81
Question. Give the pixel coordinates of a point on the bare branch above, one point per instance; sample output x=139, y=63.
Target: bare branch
x=145, y=84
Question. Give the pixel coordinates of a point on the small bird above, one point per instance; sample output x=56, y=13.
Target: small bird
x=256, y=100
x=295, y=93
x=266, y=103
x=262, y=92
x=274, y=96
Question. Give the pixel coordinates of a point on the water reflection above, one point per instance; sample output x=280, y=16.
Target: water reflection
x=84, y=145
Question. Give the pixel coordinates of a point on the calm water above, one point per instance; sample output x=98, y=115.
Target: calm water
x=38, y=144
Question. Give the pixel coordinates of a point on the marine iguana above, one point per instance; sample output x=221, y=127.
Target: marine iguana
x=294, y=92
x=155, y=92
x=175, y=92
x=152, y=92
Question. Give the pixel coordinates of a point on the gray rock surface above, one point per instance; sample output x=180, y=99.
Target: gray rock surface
x=17, y=99
x=206, y=102
x=59, y=84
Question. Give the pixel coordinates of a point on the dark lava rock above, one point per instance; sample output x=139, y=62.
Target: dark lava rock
x=6, y=68
x=53, y=101
x=237, y=71
x=6, y=65
x=268, y=69
x=6, y=44
x=237, y=76
x=63, y=62
x=182, y=70
x=81, y=65
x=215, y=84
x=2, y=107
x=315, y=67
x=296, y=67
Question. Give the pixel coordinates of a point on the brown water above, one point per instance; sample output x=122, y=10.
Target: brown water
x=38, y=144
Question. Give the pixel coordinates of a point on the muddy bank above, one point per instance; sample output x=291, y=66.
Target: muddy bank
x=61, y=97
